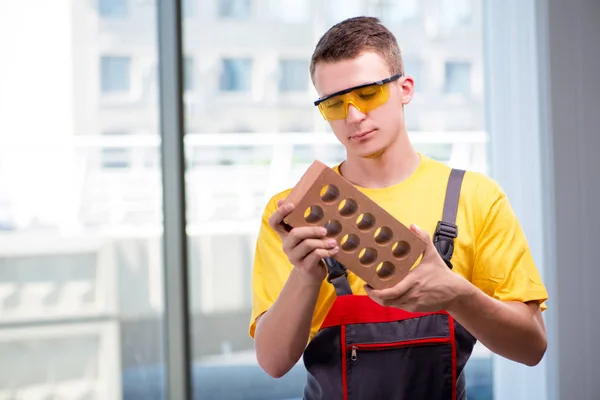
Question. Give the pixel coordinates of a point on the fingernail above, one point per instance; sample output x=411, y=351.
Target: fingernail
x=323, y=231
x=331, y=243
x=335, y=250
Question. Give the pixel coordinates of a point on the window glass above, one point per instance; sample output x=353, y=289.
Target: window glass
x=242, y=149
x=81, y=302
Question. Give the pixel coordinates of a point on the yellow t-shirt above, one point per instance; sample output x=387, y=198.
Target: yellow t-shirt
x=491, y=250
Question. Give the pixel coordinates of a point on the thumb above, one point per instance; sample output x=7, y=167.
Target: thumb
x=423, y=234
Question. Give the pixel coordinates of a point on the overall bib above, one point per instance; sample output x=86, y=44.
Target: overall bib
x=364, y=351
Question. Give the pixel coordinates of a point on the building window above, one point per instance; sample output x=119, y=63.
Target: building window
x=399, y=10
x=458, y=77
x=115, y=157
x=115, y=74
x=293, y=75
x=290, y=11
x=339, y=10
x=236, y=75
x=113, y=8
x=456, y=13
x=238, y=9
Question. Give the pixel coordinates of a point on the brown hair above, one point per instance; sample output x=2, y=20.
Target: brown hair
x=351, y=37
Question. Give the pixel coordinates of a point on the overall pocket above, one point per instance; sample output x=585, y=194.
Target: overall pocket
x=403, y=370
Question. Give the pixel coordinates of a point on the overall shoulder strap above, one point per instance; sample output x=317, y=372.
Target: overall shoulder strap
x=337, y=275
x=446, y=230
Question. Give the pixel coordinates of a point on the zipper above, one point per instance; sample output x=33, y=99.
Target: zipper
x=355, y=348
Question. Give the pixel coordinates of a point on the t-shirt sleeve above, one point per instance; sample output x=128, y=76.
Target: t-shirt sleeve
x=271, y=267
x=504, y=266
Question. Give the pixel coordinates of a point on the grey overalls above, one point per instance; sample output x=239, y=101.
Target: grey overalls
x=364, y=351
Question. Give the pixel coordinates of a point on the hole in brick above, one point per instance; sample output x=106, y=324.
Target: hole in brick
x=367, y=256
x=383, y=235
x=350, y=242
x=333, y=227
x=313, y=214
x=385, y=270
x=365, y=221
x=329, y=193
x=401, y=249
x=347, y=207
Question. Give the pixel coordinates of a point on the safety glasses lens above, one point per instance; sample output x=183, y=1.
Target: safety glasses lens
x=364, y=99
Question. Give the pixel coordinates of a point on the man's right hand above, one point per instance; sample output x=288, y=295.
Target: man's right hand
x=306, y=246
x=282, y=332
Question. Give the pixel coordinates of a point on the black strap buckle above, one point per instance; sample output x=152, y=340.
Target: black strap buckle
x=443, y=240
x=334, y=269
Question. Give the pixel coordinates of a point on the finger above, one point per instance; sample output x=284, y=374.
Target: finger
x=403, y=301
x=396, y=292
x=276, y=219
x=315, y=256
x=423, y=234
x=299, y=234
x=306, y=246
x=373, y=294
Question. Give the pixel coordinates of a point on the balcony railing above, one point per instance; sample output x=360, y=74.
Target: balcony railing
x=113, y=183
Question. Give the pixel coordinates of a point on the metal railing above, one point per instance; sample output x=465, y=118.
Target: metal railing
x=229, y=176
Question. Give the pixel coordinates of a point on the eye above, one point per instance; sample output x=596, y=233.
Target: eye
x=367, y=94
x=334, y=104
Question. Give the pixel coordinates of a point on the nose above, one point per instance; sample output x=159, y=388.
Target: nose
x=354, y=115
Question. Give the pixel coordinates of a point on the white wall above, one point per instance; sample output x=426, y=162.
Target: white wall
x=543, y=99
x=571, y=115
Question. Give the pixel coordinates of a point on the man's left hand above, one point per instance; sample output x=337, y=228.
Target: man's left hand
x=431, y=286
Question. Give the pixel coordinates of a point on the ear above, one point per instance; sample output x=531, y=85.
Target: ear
x=406, y=85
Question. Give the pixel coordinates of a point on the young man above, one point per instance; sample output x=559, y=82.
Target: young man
x=410, y=341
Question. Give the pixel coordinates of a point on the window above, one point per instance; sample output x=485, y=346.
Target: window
x=399, y=10
x=81, y=272
x=82, y=276
x=115, y=157
x=291, y=11
x=341, y=9
x=227, y=184
x=455, y=13
x=237, y=9
x=294, y=75
x=236, y=75
x=458, y=77
x=113, y=8
x=115, y=74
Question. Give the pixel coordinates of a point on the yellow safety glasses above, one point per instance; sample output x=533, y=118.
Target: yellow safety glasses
x=364, y=97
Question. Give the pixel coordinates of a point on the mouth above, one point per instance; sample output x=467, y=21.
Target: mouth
x=362, y=135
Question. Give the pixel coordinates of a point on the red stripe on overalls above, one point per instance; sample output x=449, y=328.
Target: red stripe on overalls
x=362, y=310
x=454, y=361
x=344, y=360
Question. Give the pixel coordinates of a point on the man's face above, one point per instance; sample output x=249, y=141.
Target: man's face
x=365, y=134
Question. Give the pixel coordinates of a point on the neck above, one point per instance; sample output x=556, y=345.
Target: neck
x=395, y=164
